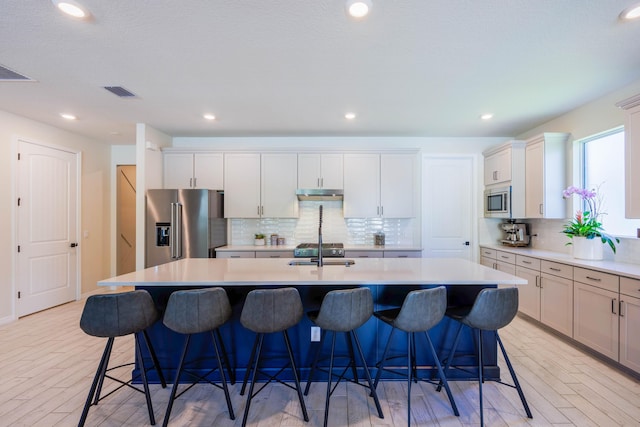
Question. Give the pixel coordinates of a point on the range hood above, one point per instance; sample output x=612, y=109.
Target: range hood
x=319, y=194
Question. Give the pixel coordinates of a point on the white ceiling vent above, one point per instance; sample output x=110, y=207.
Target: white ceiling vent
x=120, y=91
x=9, y=75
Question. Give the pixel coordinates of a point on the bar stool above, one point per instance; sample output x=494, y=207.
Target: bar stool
x=343, y=311
x=117, y=315
x=267, y=311
x=493, y=309
x=420, y=311
x=191, y=312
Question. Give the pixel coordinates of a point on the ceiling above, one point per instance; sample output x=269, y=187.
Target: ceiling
x=295, y=67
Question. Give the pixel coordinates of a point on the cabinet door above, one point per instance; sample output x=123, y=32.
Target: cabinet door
x=279, y=179
x=556, y=303
x=497, y=167
x=529, y=294
x=178, y=170
x=402, y=254
x=596, y=319
x=534, y=180
x=629, y=332
x=488, y=262
x=361, y=185
x=208, y=171
x=309, y=171
x=242, y=185
x=235, y=254
x=332, y=168
x=397, y=174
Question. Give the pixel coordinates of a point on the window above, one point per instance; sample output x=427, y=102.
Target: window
x=603, y=169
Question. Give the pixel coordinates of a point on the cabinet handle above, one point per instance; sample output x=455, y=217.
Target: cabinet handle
x=495, y=175
x=554, y=269
x=234, y=256
x=504, y=257
x=537, y=284
x=322, y=182
x=378, y=210
x=403, y=256
x=541, y=209
x=495, y=265
x=381, y=210
x=620, y=305
x=595, y=279
x=526, y=262
x=195, y=182
x=190, y=182
x=258, y=209
x=261, y=210
x=613, y=305
x=274, y=256
x=319, y=185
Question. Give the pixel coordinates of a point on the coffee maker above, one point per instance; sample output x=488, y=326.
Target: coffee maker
x=516, y=234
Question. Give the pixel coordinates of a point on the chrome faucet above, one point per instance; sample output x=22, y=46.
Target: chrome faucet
x=320, y=262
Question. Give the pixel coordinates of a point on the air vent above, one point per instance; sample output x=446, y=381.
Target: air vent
x=120, y=91
x=10, y=75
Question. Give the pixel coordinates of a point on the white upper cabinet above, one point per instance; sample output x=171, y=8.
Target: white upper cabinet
x=193, y=170
x=258, y=186
x=545, y=171
x=379, y=185
x=504, y=164
x=632, y=155
x=320, y=171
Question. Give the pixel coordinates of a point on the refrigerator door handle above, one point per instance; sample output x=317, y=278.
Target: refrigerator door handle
x=178, y=231
x=172, y=233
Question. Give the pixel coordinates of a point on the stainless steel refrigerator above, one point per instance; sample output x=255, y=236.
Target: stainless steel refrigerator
x=183, y=224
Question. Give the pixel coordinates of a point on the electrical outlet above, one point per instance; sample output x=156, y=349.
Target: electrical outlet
x=315, y=334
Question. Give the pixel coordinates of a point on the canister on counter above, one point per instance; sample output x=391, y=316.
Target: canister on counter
x=281, y=241
x=274, y=239
x=379, y=238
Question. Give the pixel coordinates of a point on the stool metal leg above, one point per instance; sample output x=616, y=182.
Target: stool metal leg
x=222, y=377
x=296, y=377
x=384, y=358
x=328, y=396
x=410, y=362
x=104, y=360
x=315, y=363
x=143, y=375
x=176, y=381
x=103, y=372
x=254, y=367
x=513, y=376
x=250, y=364
x=352, y=358
x=443, y=378
x=480, y=375
x=154, y=358
x=366, y=372
x=225, y=355
x=449, y=360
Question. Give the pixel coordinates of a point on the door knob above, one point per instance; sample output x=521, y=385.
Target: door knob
x=73, y=245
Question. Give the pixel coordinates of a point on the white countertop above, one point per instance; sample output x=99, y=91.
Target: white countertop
x=244, y=248
x=371, y=271
x=619, y=268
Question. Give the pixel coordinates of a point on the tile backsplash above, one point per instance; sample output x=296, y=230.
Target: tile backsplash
x=335, y=228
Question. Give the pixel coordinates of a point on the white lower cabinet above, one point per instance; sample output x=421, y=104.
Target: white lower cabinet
x=630, y=323
x=529, y=295
x=235, y=254
x=596, y=319
x=556, y=303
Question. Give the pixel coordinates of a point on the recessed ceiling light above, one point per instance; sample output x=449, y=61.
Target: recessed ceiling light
x=68, y=116
x=358, y=8
x=350, y=116
x=632, y=12
x=72, y=8
x=209, y=116
x=486, y=116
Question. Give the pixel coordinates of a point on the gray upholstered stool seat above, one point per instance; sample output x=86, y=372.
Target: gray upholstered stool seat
x=421, y=310
x=343, y=311
x=267, y=311
x=191, y=312
x=116, y=315
x=493, y=309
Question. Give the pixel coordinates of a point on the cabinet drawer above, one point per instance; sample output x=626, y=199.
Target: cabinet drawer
x=596, y=278
x=630, y=287
x=557, y=269
x=528, y=262
x=489, y=253
x=506, y=257
x=274, y=254
x=236, y=254
x=363, y=254
x=402, y=254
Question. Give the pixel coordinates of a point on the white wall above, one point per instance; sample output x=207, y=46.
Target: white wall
x=95, y=201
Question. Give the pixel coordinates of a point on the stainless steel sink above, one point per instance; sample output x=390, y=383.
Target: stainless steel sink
x=343, y=262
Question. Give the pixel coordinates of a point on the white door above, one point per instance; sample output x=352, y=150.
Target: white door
x=447, y=207
x=48, y=256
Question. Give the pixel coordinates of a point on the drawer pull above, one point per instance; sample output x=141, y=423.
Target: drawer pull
x=595, y=279
x=554, y=269
x=620, y=305
x=526, y=262
x=274, y=256
x=403, y=256
x=504, y=257
x=613, y=306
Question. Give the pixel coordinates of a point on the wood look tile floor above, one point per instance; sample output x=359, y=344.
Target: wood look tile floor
x=47, y=364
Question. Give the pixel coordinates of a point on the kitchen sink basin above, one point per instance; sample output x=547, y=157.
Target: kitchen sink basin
x=343, y=262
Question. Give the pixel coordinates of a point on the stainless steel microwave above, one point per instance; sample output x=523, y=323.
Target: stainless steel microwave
x=497, y=202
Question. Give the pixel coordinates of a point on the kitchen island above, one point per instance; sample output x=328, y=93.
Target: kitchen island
x=389, y=280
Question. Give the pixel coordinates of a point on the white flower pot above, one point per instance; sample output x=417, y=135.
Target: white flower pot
x=258, y=242
x=583, y=248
